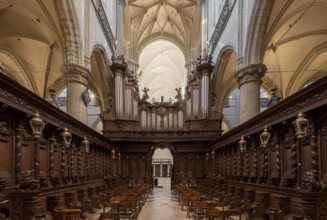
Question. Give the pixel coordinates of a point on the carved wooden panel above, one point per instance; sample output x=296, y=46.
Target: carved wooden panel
x=26, y=155
x=198, y=167
x=306, y=159
x=272, y=163
x=5, y=156
x=125, y=168
x=323, y=150
x=57, y=160
x=286, y=162
x=43, y=160
x=142, y=166
x=260, y=163
x=251, y=161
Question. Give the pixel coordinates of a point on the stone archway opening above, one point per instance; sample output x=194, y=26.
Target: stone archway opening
x=162, y=165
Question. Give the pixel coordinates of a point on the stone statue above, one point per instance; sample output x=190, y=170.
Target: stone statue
x=179, y=95
x=274, y=99
x=145, y=94
x=52, y=98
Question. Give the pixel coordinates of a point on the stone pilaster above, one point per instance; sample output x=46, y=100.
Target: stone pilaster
x=120, y=26
x=77, y=81
x=204, y=24
x=249, y=81
x=119, y=67
x=204, y=68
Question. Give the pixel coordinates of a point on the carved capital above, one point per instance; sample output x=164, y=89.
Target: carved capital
x=253, y=72
x=204, y=69
x=76, y=73
x=118, y=65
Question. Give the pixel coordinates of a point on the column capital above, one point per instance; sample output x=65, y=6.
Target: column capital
x=204, y=65
x=76, y=73
x=118, y=65
x=253, y=72
x=121, y=2
x=203, y=2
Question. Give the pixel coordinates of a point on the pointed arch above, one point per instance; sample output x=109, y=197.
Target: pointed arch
x=70, y=31
x=255, y=41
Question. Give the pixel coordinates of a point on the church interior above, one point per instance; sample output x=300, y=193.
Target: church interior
x=163, y=109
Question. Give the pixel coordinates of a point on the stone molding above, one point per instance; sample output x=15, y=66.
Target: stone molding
x=76, y=73
x=104, y=22
x=220, y=26
x=252, y=72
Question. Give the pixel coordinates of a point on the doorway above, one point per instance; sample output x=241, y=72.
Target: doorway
x=162, y=166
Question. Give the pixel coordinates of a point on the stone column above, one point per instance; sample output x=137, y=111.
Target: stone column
x=154, y=170
x=195, y=100
x=120, y=26
x=249, y=81
x=143, y=115
x=160, y=170
x=204, y=69
x=204, y=24
x=77, y=96
x=118, y=67
x=129, y=100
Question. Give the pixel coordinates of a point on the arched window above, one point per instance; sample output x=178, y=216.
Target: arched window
x=231, y=108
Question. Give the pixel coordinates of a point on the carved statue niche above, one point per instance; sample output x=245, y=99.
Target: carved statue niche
x=28, y=182
x=310, y=184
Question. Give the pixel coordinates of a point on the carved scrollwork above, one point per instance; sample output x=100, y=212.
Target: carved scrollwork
x=28, y=182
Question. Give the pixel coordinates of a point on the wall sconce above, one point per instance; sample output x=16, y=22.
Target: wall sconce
x=264, y=137
x=86, y=144
x=37, y=125
x=213, y=154
x=207, y=156
x=301, y=126
x=242, y=144
x=113, y=153
x=66, y=136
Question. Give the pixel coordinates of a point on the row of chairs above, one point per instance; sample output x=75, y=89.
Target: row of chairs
x=199, y=206
x=127, y=205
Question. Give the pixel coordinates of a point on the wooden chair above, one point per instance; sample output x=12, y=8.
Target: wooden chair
x=126, y=210
x=199, y=210
x=71, y=214
x=111, y=207
x=225, y=215
x=216, y=205
x=109, y=216
x=40, y=216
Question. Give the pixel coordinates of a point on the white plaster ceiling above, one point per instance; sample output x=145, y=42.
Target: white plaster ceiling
x=162, y=63
x=163, y=69
x=29, y=51
x=296, y=46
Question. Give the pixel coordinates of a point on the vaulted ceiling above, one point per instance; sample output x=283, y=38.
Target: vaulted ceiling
x=176, y=20
x=296, y=45
x=162, y=64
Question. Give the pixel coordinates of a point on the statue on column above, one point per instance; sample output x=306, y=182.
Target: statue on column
x=274, y=99
x=52, y=98
x=145, y=94
x=179, y=95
